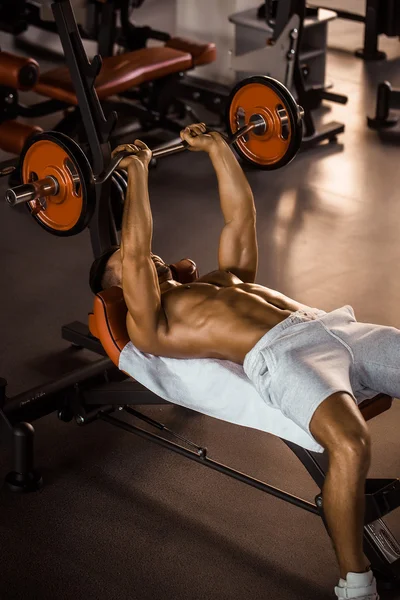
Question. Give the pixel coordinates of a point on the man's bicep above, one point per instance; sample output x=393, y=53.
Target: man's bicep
x=238, y=252
x=141, y=292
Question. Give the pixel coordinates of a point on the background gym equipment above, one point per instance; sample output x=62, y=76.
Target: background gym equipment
x=300, y=68
x=106, y=22
x=144, y=75
x=17, y=73
x=382, y=17
x=288, y=41
x=148, y=81
x=387, y=99
x=265, y=126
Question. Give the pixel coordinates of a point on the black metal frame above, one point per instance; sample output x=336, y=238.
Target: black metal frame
x=11, y=108
x=308, y=98
x=377, y=22
x=98, y=128
x=387, y=99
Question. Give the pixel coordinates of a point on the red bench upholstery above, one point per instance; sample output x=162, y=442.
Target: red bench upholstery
x=124, y=71
x=118, y=73
x=202, y=54
x=108, y=320
x=108, y=324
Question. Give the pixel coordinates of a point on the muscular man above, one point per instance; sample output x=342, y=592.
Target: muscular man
x=308, y=363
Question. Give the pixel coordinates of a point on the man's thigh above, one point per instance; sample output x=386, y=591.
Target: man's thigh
x=376, y=351
x=306, y=368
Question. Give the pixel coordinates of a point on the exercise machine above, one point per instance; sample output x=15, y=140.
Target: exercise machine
x=95, y=391
x=382, y=17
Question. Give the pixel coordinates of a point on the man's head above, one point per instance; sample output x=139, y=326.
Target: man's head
x=106, y=271
x=164, y=273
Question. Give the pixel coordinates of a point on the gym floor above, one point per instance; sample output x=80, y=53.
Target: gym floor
x=122, y=518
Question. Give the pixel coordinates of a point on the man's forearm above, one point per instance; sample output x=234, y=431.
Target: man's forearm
x=137, y=221
x=237, y=202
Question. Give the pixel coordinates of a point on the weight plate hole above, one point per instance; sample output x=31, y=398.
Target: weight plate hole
x=70, y=167
x=40, y=203
x=284, y=119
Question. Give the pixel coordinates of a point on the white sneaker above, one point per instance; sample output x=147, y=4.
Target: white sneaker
x=358, y=586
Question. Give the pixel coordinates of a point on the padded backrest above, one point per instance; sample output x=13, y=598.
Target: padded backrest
x=108, y=320
x=201, y=53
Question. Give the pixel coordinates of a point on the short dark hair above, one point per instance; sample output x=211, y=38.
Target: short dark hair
x=101, y=274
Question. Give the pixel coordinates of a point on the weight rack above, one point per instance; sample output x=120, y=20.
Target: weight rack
x=103, y=232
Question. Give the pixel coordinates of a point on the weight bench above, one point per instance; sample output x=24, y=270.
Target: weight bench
x=95, y=391
x=142, y=74
x=122, y=72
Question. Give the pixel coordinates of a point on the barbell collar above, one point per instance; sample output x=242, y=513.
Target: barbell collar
x=32, y=191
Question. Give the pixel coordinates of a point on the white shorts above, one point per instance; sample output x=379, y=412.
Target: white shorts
x=312, y=354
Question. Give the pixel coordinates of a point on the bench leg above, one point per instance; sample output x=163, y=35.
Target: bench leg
x=24, y=478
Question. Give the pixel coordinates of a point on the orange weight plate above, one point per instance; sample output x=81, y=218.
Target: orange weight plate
x=281, y=140
x=53, y=154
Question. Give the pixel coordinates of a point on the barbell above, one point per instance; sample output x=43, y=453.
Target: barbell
x=264, y=125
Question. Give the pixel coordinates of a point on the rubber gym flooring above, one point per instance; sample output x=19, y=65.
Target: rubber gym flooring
x=120, y=518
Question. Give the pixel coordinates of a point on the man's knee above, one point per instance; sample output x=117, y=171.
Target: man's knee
x=340, y=428
x=353, y=449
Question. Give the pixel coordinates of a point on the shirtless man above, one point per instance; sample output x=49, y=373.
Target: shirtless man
x=308, y=363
